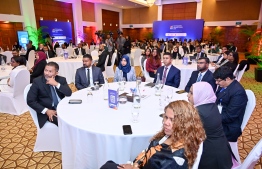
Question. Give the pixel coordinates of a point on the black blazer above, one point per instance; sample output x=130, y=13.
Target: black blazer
x=102, y=60
x=38, y=70
x=4, y=58
x=175, y=54
x=216, y=149
x=234, y=102
x=173, y=76
x=81, y=78
x=50, y=54
x=27, y=52
x=40, y=97
x=82, y=50
x=127, y=47
x=202, y=55
x=208, y=77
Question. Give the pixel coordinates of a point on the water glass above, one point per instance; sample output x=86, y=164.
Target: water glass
x=138, y=81
x=169, y=95
x=135, y=114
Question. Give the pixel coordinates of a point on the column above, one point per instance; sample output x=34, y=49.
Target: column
x=159, y=12
x=78, y=19
x=199, y=10
x=28, y=12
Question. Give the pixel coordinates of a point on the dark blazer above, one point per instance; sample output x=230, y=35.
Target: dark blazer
x=216, y=150
x=82, y=50
x=81, y=78
x=50, y=54
x=202, y=55
x=127, y=47
x=40, y=97
x=173, y=76
x=27, y=52
x=4, y=58
x=102, y=60
x=208, y=77
x=38, y=70
x=175, y=54
x=234, y=102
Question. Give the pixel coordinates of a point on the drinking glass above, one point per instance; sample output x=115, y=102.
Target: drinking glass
x=96, y=85
x=135, y=114
x=124, y=80
x=169, y=95
x=138, y=81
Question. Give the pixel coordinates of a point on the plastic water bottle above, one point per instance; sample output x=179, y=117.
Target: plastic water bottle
x=65, y=54
x=185, y=59
x=105, y=90
x=2, y=63
x=136, y=98
x=158, y=86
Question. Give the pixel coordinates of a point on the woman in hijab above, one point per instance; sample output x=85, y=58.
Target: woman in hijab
x=176, y=53
x=125, y=70
x=216, y=149
x=39, y=66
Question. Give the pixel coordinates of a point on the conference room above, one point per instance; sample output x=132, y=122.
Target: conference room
x=92, y=84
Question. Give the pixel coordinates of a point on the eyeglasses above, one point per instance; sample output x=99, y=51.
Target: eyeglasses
x=218, y=80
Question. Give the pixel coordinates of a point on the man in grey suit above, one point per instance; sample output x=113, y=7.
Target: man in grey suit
x=88, y=74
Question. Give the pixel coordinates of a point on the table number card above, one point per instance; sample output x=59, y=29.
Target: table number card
x=113, y=98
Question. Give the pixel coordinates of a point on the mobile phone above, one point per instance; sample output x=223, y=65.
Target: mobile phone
x=127, y=129
x=75, y=101
x=180, y=91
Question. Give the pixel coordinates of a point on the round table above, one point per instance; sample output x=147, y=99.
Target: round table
x=5, y=74
x=68, y=67
x=91, y=133
x=186, y=71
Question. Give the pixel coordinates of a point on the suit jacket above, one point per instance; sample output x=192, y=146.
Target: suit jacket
x=50, y=54
x=38, y=70
x=173, y=76
x=4, y=58
x=82, y=50
x=102, y=60
x=208, y=77
x=233, y=100
x=81, y=78
x=28, y=51
x=39, y=96
x=201, y=55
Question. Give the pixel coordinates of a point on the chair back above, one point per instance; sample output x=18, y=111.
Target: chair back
x=252, y=157
x=8, y=55
x=198, y=158
x=236, y=70
x=22, y=79
x=141, y=67
x=146, y=74
x=137, y=55
x=70, y=51
x=107, y=57
x=240, y=73
x=94, y=54
x=32, y=112
x=92, y=47
x=58, y=51
x=251, y=103
x=113, y=59
x=31, y=59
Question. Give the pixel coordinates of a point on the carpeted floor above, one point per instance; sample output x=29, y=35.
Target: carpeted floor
x=18, y=133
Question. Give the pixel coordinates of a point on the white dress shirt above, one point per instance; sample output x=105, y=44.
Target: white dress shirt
x=91, y=84
x=203, y=74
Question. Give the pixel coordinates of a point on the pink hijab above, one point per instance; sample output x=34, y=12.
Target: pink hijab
x=203, y=93
x=42, y=56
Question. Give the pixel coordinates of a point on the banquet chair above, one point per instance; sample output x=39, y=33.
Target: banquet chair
x=252, y=158
x=140, y=63
x=58, y=51
x=146, y=74
x=109, y=70
x=70, y=51
x=31, y=59
x=234, y=73
x=198, y=158
x=240, y=73
x=104, y=72
x=13, y=102
x=137, y=55
x=92, y=47
x=47, y=138
x=236, y=49
x=94, y=55
x=8, y=55
x=251, y=103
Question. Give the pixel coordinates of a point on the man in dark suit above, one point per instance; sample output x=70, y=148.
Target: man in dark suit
x=169, y=74
x=202, y=74
x=88, y=74
x=199, y=53
x=29, y=48
x=80, y=50
x=220, y=57
x=49, y=53
x=233, y=99
x=2, y=57
x=46, y=92
x=102, y=57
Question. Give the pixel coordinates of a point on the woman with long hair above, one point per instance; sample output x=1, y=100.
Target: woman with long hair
x=176, y=145
x=153, y=63
x=145, y=56
x=216, y=150
x=39, y=66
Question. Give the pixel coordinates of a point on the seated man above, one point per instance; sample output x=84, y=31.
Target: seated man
x=88, y=74
x=169, y=74
x=15, y=53
x=79, y=50
x=220, y=57
x=102, y=57
x=46, y=92
x=199, y=53
x=49, y=53
x=202, y=74
x=233, y=99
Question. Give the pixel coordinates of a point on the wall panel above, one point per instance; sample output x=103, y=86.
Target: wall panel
x=110, y=17
x=10, y=7
x=88, y=11
x=180, y=11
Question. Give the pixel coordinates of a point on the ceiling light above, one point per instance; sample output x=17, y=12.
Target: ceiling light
x=6, y=22
x=150, y=2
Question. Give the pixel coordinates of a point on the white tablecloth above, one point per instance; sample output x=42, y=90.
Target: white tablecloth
x=5, y=74
x=213, y=57
x=91, y=133
x=67, y=68
x=186, y=71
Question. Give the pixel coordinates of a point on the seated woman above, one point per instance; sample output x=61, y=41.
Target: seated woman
x=145, y=56
x=176, y=145
x=124, y=67
x=18, y=64
x=39, y=66
x=153, y=63
x=176, y=53
x=216, y=150
x=223, y=61
x=232, y=61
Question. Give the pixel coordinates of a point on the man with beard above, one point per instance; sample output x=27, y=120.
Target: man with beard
x=88, y=74
x=202, y=74
x=46, y=92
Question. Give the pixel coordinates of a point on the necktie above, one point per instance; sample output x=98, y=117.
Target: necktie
x=47, y=55
x=54, y=97
x=199, y=77
x=164, y=76
x=88, y=77
x=198, y=56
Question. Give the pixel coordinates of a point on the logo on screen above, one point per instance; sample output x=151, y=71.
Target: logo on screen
x=56, y=30
x=174, y=27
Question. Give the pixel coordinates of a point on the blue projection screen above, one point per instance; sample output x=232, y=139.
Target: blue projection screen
x=23, y=38
x=190, y=29
x=60, y=31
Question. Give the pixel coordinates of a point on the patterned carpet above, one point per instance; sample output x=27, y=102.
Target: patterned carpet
x=18, y=133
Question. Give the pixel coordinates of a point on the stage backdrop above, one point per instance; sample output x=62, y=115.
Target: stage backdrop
x=60, y=31
x=189, y=29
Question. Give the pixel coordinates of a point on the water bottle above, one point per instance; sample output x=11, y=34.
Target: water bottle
x=185, y=59
x=105, y=90
x=2, y=63
x=136, y=98
x=158, y=86
x=65, y=54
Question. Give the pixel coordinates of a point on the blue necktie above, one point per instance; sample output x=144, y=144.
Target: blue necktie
x=54, y=97
x=199, y=78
